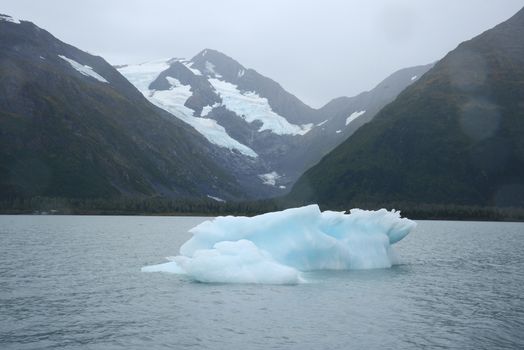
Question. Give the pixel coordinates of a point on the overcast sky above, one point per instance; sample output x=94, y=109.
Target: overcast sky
x=317, y=50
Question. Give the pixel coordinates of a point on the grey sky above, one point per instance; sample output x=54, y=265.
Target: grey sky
x=317, y=50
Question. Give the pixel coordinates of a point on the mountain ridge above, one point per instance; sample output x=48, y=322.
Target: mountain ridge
x=212, y=90
x=67, y=133
x=453, y=137
x=228, y=132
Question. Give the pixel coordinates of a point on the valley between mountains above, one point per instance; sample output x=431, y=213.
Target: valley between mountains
x=206, y=127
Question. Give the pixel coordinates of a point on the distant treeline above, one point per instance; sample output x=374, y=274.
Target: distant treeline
x=134, y=206
x=209, y=207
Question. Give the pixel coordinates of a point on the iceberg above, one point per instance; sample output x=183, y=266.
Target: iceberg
x=277, y=247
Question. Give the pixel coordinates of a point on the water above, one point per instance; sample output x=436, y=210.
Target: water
x=75, y=283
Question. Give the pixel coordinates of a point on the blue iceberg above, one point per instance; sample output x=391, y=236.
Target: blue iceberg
x=275, y=248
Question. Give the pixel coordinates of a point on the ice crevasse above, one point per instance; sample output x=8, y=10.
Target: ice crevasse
x=275, y=248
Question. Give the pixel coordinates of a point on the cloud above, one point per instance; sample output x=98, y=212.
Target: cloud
x=317, y=50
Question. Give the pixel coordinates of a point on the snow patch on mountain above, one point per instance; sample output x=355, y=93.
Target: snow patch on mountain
x=413, y=77
x=83, y=69
x=141, y=75
x=270, y=179
x=322, y=123
x=207, y=109
x=210, y=68
x=6, y=18
x=174, y=98
x=354, y=116
x=216, y=198
x=250, y=106
x=189, y=65
x=173, y=101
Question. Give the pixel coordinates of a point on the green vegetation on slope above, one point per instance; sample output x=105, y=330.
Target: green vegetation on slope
x=208, y=207
x=454, y=137
x=63, y=134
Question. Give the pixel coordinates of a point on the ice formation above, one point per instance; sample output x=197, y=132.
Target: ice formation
x=207, y=109
x=246, y=104
x=143, y=74
x=252, y=107
x=275, y=248
x=83, y=69
x=174, y=99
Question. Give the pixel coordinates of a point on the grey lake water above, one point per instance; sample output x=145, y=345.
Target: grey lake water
x=74, y=282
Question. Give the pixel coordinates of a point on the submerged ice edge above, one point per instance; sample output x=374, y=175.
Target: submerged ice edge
x=275, y=248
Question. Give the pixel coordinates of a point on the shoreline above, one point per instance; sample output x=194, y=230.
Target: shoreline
x=213, y=215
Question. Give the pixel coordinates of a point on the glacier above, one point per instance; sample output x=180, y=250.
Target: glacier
x=252, y=107
x=143, y=74
x=247, y=105
x=207, y=109
x=174, y=100
x=277, y=247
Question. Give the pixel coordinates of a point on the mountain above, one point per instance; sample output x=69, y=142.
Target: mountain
x=72, y=126
x=344, y=115
x=273, y=135
x=456, y=136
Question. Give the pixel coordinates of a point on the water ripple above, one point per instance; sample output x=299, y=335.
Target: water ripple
x=75, y=283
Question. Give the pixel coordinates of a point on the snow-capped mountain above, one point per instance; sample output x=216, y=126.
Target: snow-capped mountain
x=230, y=133
x=212, y=86
x=233, y=107
x=272, y=132
x=72, y=126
